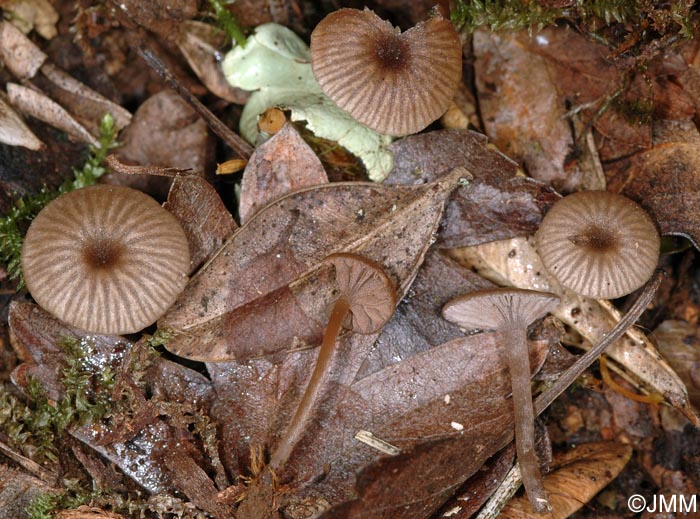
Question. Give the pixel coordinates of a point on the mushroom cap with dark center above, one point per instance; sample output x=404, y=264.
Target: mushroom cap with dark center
x=391, y=82
x=598, y=244
x=367, y=289
x=106, y=259
x=499, y=308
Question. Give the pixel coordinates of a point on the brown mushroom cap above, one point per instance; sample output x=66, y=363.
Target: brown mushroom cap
x=367, y=289
x=496, y=308
x=393, y=83
x=106, y=259
x=598, y=244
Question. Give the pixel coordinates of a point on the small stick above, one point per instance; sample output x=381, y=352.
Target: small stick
x=234, y=141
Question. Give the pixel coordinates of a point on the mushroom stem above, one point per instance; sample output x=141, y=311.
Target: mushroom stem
x=313, y=389
x=515, y=337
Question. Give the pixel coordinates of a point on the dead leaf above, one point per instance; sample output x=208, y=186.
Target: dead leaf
x=664, y=181
x=203, y=216
x=281, y=165
x=497, y=205
x=18, y=53
x=165, y=131
x=263, y=292
x=40, y=106
x=201, y=44
x=678, y=342
x=520, y=106
x=14, y=131
x=579, y=474
x=87, y=106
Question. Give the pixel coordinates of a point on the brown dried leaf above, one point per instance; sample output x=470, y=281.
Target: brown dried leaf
x=664, y=180
x=281, y=165
x=18, y=53
x=87, y=106
x=678, y=343
x=203, y=216
x=498, y=205
x=200, y=43
x=520, y=106
x=166, y=131
x=40, y=106
x=265, y=290
x=579, y=475
x=14, y=131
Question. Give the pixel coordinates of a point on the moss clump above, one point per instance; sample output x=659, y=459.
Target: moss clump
x=34, y=426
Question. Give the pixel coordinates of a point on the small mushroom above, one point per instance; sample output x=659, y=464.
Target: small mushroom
x=393, y=83
x=598, y=244
x=368, y=298
x=106, y=259
x=509, y=312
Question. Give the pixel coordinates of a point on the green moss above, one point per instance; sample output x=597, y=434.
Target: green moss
x=13, y=225
x=513, y=15
x=227, y=22
x=35, y=426
x=44, y=505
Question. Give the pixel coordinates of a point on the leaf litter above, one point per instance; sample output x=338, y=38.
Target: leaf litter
x=420, y=389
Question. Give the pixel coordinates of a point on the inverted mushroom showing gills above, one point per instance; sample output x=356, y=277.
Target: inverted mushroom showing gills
x=393, y=83
x=509, y=312
x=106, y=259
x=598, y=244
x=368, y=298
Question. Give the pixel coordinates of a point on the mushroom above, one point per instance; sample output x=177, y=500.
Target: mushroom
x=393, y=83
x=598, y=244
x=368, y=298
x=509, y=312
x=106, y=259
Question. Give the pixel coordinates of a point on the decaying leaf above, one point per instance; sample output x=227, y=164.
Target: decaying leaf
x=498, y=204
x=200, y=43
x=275, y=64
x=678, y=342
x=83, y=103
x=18, y=53
x=281, y=165
x=203, y=216
x=578, y=475
x=14, y=131
x=39, y=106
x=516, y=263
x=264, y=292
x=87, y=512
x=664, y=181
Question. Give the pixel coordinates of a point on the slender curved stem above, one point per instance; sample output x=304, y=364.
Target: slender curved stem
x=515, y=341
x=313, y=391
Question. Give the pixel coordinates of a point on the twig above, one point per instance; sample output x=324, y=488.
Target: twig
x=234, y=141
